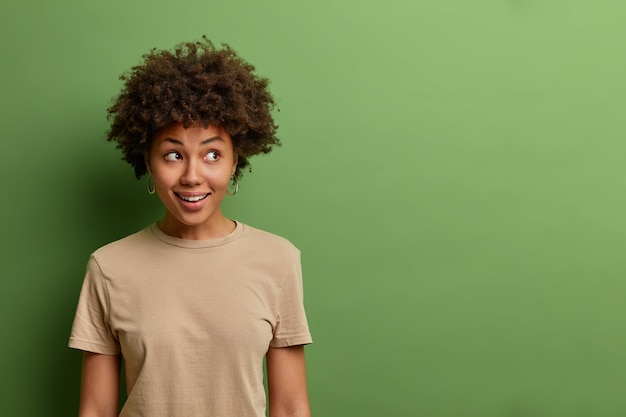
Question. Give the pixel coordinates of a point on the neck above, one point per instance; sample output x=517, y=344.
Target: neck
x=216, y=228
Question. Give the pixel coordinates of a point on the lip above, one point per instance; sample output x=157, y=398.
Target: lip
x=193, y=204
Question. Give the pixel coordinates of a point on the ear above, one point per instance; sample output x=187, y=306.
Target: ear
x=235, y=162
x=146, y=160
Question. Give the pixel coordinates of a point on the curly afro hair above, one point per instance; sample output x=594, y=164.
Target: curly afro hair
x=195, y=84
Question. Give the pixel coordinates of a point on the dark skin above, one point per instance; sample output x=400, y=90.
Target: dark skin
x=194, y=85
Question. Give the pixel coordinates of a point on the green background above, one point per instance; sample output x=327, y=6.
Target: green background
x=452, y=171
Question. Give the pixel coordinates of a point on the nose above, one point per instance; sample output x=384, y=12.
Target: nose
x=191, y=174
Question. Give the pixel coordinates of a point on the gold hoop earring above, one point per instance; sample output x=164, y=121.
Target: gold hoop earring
x=236, y=187
x=151, y=187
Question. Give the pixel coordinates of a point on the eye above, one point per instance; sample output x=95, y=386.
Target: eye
x=213, y=156
x=172, y=156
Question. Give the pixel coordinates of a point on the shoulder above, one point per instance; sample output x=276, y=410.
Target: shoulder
x=126, y=246
x=266, y=241
x=271, y=253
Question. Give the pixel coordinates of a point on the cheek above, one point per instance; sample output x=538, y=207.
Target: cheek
x=163, y=177
x=221, y=179
x=160, y=179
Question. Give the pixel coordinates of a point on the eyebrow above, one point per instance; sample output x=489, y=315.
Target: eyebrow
x=204, y=142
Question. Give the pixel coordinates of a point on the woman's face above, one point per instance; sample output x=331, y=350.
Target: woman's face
x=192, y=168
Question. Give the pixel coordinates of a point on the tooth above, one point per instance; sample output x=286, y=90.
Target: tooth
x=193, y=199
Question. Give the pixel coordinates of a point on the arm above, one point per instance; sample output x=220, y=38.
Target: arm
x=286, y=377
x=100, y=385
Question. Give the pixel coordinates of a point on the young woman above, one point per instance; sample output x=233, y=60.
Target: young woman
x=196, y=301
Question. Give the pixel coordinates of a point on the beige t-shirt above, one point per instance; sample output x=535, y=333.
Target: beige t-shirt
x=193, y=319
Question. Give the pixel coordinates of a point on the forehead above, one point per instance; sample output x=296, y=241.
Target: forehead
x=191, y=136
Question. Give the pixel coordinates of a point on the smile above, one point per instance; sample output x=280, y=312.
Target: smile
x=192, y=198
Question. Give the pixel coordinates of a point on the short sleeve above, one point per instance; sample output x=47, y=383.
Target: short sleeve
x=292, y=328
x=91, y=330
